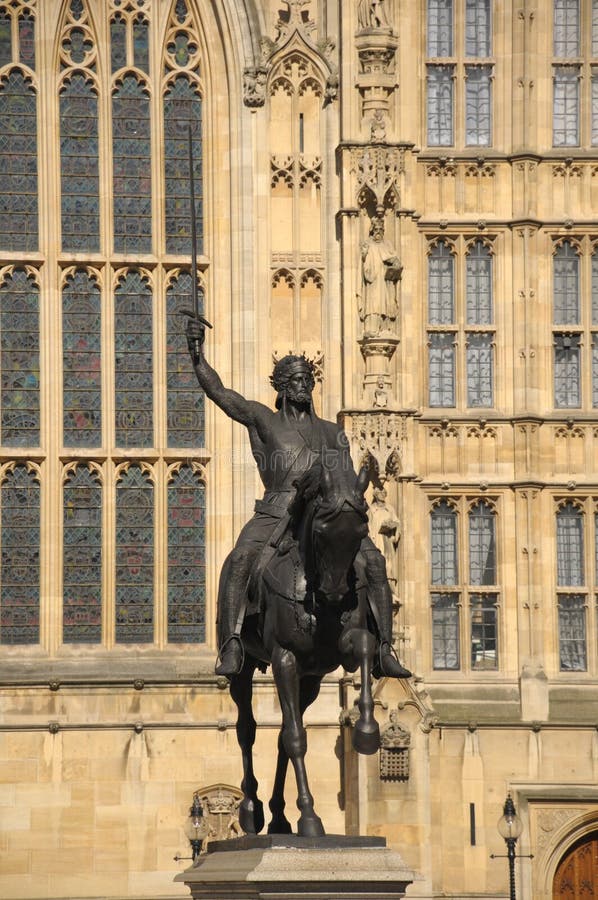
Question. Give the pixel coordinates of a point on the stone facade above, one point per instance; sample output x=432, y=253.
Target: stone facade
x=325, y=201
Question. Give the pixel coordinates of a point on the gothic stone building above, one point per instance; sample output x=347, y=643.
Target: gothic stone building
x=405, y=190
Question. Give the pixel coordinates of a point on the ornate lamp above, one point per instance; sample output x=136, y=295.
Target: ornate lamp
x=194, y=829
x=510, y=828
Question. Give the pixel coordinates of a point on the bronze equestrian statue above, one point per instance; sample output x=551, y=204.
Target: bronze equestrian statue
x=304, y=589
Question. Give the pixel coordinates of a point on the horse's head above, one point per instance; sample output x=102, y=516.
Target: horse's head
x=334, y=524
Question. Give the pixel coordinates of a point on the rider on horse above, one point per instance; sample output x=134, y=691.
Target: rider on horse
x=285, y=444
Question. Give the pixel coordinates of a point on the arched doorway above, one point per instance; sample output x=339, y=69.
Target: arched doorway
x=576, y=876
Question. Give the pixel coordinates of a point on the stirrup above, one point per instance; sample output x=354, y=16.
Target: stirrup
x=229, y=640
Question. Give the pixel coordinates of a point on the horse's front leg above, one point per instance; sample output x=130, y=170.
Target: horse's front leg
x=251, y=809
x=294, y=737
x=366, y=732
x=309, y=689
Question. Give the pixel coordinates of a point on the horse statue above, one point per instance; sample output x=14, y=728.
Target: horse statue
x=308, y=614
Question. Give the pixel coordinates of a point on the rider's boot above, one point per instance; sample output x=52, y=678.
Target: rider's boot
x=231, y=657
x=231, y=600
x=386, y=663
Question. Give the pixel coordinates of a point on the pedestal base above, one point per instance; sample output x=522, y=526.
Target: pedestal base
x=281, y=867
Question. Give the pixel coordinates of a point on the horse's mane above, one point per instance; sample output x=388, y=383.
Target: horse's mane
x=307, y=487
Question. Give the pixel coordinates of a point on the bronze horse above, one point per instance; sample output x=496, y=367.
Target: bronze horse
x=312, y=616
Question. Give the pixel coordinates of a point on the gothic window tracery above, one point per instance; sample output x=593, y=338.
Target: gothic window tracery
x=18, y=127
x=93, y=359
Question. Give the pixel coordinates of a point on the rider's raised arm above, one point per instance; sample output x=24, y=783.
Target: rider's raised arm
x=247, y=412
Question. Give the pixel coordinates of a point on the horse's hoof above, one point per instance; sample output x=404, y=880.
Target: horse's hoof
x=251, y=816
x=310, y=826
x=280, y=825
x=366, y=739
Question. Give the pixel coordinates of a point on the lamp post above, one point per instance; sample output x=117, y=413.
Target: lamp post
x=510, y=828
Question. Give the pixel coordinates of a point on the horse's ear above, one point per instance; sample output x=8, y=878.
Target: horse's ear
x=363, y=479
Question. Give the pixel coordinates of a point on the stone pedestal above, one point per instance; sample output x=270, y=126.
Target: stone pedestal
x=288, y=867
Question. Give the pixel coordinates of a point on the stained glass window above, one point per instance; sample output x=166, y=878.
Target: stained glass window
x=131, y=151
x=82, y=559
x=440, y=106
x=444, y=545
x=567, y=371
x=118, y=43
x=445, y=631
x=478, y=28
x=79, y=165
x=82, y=369
x=566, y=285
x=18, y=162
x=594, y=370
x=134, y=557
x=440, y=28
x=186, y=558
x=442, y=369
x=484, y=631
x=480, y=369
x=141, y=44
x=182, y=108
x=478, y=285
x=27, y=39
x=133, y=361
x=569, y=546
x=19, y=360
x=5, y=38
x=478, y=106
x=441, y=299
x=20, y=562
x=185, y=400
x=482, y=545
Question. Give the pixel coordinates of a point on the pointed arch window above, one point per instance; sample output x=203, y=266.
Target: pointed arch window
x=82, y=361
x=79, y=164
x=82, y=557
x=133, y=360
x=126, y=417
x=182, y=111
x=18, y=162
x=131, y=160
x=19, y=359
x=186, y=569
x=185, y=403
x=20, y=562
x=134, y=599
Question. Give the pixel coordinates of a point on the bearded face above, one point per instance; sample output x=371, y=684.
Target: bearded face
x=299, y=387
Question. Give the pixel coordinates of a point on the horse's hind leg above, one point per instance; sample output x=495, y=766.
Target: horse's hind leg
x=251, y=810
x=309, y=688
x=294, y=738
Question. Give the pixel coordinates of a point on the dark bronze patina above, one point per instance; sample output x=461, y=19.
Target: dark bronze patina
x=304, y=589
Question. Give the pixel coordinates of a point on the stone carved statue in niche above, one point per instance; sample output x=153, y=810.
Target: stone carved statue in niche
x=380, y=400
x=254, y=86
x=385, y=529
x=372, y=14
x=381, y=270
